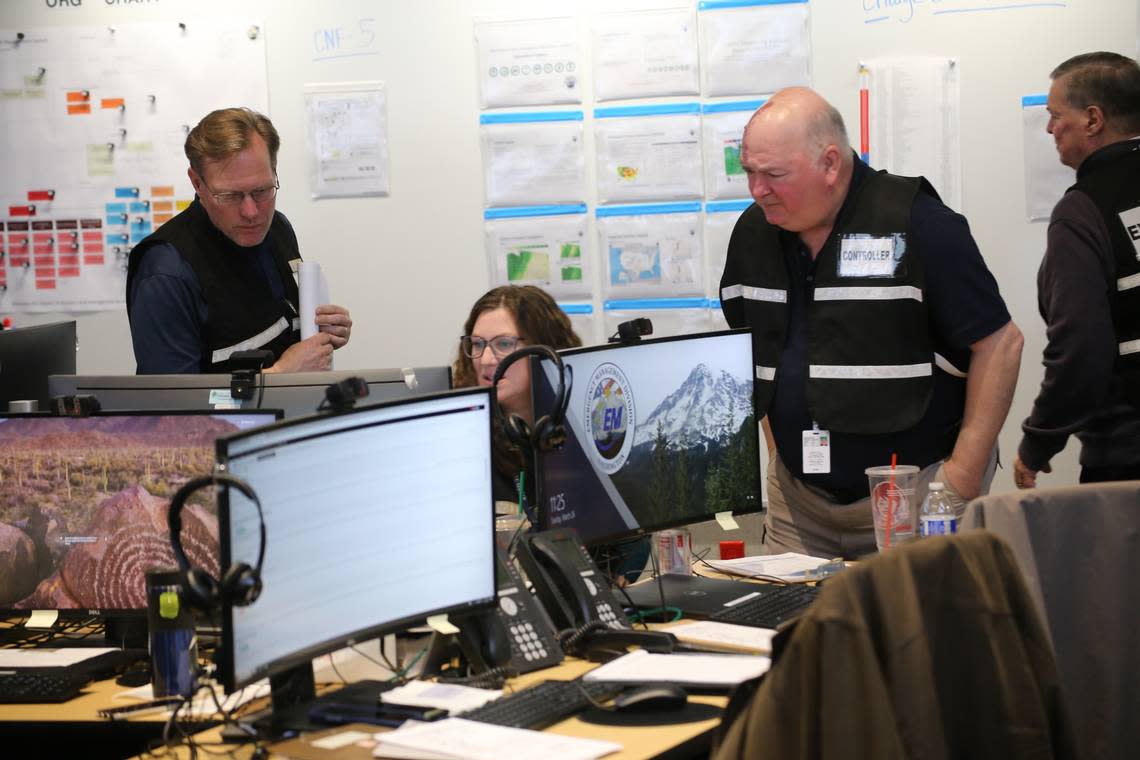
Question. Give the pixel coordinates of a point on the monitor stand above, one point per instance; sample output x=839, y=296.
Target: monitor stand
x=293, y=696
x=695, y=596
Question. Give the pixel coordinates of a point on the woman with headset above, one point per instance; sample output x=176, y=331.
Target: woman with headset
x=502, y=320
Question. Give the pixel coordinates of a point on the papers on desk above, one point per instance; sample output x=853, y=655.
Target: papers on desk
x=709, y=633
x=789, y=566
x=455, y=698
x=710, y=671
x=458, y=738
x=49, y=658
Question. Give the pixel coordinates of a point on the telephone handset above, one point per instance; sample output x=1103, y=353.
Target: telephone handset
x=568, y=583
x=516, y=635
x=578, y=597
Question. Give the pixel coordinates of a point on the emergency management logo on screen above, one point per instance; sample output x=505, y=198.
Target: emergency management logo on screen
x=609, y=417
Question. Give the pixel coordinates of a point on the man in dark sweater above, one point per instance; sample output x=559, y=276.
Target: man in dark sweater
x=1089, y=281
x=221, y=276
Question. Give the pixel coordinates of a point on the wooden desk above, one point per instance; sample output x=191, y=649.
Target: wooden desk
x=681, y=740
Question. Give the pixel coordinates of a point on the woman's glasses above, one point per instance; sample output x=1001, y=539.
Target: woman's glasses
x=501, y=345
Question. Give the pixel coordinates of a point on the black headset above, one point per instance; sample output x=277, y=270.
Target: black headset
x=549, y=431
x=240, y=585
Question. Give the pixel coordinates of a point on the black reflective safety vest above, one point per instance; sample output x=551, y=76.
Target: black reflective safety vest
x=1111, y=178
x=870, y=353
x=242, y=312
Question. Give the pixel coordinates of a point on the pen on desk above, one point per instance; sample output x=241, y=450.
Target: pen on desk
x=152, y=704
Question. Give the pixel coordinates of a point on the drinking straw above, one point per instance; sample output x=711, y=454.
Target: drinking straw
x=891, y=499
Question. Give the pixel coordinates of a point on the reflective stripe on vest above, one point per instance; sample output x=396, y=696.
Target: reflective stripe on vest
x=765, y=373
x=869, y=371
x=257, y=341
x=889, y=293
x=1127, y=283
x=752, y=293
x=1130, y=347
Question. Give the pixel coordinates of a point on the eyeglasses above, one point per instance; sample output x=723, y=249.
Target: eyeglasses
x=259, y=195
x=501, y=345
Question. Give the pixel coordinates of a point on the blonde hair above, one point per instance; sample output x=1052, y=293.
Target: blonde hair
x=227, y=132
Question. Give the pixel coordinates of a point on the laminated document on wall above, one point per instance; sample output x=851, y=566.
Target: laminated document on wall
x=913, y=113
x=720, y=219
x=670, y=316
x=651, y=250
x=722, y=128
x=347, y=139
x=1046, y=178
x=547, y=246
x=753, y=46
x=528, y=62
x=533, y=158
x=648, y=153
x=645, y=54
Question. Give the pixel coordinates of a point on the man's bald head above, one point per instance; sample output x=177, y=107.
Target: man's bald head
x=801, y=115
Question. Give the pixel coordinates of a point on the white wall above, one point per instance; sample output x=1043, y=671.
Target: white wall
x=410, y=265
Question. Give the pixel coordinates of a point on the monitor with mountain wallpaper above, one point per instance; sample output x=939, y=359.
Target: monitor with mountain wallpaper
x=659, y=433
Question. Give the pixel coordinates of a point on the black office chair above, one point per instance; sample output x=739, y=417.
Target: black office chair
x=1078, y=548
x=931, y=650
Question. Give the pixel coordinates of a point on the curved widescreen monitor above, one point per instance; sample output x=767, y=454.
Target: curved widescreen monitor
x=296, y=393
x=83, y=503
x=376, y=519
x=28, y=355
x=659, y=433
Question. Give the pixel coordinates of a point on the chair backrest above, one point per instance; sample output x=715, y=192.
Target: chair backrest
x=933, y=649
x=1079, y=550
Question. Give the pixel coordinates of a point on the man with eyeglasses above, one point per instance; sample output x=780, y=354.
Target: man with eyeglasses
x=219, y=277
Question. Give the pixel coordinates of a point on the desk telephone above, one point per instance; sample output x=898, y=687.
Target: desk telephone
x=578, y=598
x=517, y=634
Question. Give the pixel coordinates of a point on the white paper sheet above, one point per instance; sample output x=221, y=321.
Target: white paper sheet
x=47, y=657
x=652, y=256
x=204, y=704
x=528, y=62
x=721, y=134
x=707, y=670
x=648, y=158
x=347, y=139
x=645, y=54
x=755, y=49
x=728, y=635
x=552, y=252
x=534, y=163
x=789, y=566
x=1046, y=178
x=915, y=106
x=454, y=698
x=459, y=738
x=314, y=292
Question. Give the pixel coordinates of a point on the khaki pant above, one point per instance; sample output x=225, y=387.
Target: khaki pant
x=802, y=518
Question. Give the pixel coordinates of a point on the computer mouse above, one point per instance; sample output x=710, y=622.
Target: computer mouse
x=658, y=696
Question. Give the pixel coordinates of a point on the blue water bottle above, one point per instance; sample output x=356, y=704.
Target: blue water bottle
x=173, y=643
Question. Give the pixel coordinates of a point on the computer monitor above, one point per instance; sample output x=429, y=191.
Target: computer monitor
x=659, y=433
x=375, y=519
x=28, y=355
x=297, y=393
x=83, y=504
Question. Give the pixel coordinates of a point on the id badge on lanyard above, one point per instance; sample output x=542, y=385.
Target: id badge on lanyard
x=816, y=451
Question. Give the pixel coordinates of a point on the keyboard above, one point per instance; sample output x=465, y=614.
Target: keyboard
x=773, y=606
x=543, y=704
x=21, y=686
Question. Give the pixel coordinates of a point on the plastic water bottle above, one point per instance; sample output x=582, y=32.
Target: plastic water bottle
x=936, y=517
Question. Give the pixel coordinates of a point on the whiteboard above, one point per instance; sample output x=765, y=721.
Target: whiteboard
x=409, y=265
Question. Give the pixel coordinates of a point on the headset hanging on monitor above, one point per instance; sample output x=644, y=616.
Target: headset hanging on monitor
x=240, y=584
